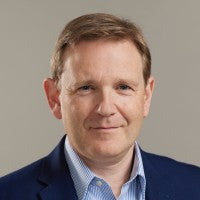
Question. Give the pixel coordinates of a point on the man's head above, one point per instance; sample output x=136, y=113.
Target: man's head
x=99, y=26
x=101, y=86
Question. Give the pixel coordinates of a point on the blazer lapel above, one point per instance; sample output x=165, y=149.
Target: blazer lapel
x=158, y=186
x=60, y=189
x=55, y=176
x=58, y=184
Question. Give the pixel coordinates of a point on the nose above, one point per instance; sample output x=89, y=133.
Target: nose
x=106, y=105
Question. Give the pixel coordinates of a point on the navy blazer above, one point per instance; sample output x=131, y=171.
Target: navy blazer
x=49, y=179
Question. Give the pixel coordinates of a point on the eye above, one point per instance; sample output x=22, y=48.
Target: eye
x=86, y=88
x=124, y=87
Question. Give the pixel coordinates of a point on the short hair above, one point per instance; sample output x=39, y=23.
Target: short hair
x=99, y=26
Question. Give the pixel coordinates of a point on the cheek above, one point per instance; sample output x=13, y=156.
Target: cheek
x=131, y=108
x=75, y=111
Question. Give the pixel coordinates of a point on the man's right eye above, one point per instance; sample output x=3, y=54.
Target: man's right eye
x=85, y=88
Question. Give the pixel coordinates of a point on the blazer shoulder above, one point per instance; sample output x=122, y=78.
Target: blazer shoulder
x=175, y=169
x=28, y=182
x=170, y=178
x=22, y=179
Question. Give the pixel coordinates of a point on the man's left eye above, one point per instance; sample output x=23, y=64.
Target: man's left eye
x=124, y=87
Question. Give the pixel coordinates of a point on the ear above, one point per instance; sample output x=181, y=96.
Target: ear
x=52, y=94
x=148, y=95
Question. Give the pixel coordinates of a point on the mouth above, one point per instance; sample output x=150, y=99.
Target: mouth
x=105, y=129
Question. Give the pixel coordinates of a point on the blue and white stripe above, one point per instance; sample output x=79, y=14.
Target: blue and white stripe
x=89, y=187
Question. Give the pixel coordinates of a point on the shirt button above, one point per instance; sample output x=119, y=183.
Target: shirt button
x=99, y=183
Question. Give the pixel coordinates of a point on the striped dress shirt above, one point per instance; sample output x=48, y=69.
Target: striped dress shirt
x=90, y=187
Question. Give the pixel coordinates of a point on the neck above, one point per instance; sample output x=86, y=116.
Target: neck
x=116, y=172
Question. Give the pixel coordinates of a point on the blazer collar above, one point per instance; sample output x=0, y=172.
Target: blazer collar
x=58, y=184
x=158, y=186
x=56, y=177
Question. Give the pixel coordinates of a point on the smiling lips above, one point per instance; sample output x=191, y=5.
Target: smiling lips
x=105, y=129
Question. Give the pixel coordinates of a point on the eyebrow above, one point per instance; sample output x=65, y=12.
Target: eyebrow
x=127, y=81
x=84, y=82
x=116, y=82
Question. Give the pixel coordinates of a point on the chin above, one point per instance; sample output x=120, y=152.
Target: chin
x=108, y=151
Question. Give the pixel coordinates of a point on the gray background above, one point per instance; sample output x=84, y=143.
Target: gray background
x=28, y=31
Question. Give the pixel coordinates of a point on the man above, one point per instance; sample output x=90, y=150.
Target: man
x=101, y=88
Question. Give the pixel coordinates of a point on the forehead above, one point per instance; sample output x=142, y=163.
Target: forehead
x=103, y=47
x=104, y=58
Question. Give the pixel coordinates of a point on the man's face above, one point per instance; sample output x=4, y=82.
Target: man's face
x=103, y=98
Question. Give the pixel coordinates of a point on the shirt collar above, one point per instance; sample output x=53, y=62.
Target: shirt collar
x=82, y=175
x=137, y=164
x=138, y=169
